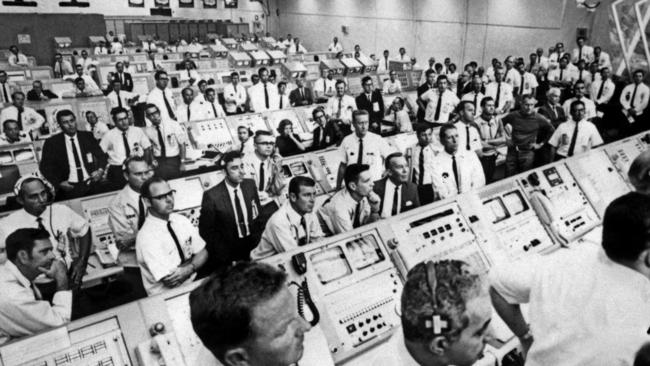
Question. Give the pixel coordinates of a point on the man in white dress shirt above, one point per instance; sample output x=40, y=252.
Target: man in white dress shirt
x=601, y=58
x=86, y=62
x=341, y=105
x=6, y=88
x=469, y=137
x=392, y=85
x=121, y=98
x=235, y=95
x=62, y=67
x=189, y=110
x=500, y=91
x=168, y=247
x=475, y=96
x=17, y=58
x=456, y=171
x=11, y=134
x=335, y=46
x=28, y=119
x=582, y=52
x=634, y=100
x=602, y=90
x=162, y=97
x=325, y=86
x=422, y=157
x=579, y=92
x=79, y=73
x=168, y=142
x=259, y=166
x=440, y=102
x=575, y=136
x=264, y=95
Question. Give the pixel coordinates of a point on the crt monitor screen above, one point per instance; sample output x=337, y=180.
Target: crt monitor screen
x=9, y=175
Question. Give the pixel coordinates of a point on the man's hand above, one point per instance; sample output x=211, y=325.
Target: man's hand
x=97, y=175
x=59, y=273
x=77, y=272
x=66, y=186
x=526, y=342
x=374, y=200
x=177, y=277
x=538, y=146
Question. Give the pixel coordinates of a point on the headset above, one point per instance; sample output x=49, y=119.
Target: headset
x=18, y=186
x=438, y=323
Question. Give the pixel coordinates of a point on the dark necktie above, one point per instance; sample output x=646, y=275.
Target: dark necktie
x=338, y=113
x=296, y=47
x=521, y=86
x=60, y=70
x=178, y=245
x=496, y=102
x=394, y=211
x=281, y=101
x=214, y=109
x=421, y=167
x=189, y=76
x=454, y=168
x=467, y=137
x=37, y=294
x=302, y=93
x=475, y=101
x=39, y=220
x=77, y=161
x=303, y=223
x=119, y=100
x=170, y=111
x=580, y=75
x=360, y=157
x=4, y=93
x=574, y=138
x=357, y=216
x=579, y=54
x=127, y=149
x=19, y=118
x=262, y=178
x=561, y=74
x=240, y=215
x=141, y=213
x=189, y=113
x=436, y=116
x=161, y=142
x=600, y=90
x=266, y=96
x=633, y=96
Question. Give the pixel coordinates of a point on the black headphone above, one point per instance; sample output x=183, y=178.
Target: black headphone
x=438, y=323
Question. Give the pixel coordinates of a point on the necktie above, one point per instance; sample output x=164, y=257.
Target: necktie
x=39, y=220
x=141, y=213
x=580, y=75
x=302, y=93
x=214, y=109
x=266, y=96
x=454, y=167
x=170, y=111
x=574, y=138
x=189, y=76
x=296, y=47
x=554, y=110
x=4, y=92
x=303, y=223
x=496, y=102
x=77, y=161
x=561, y=74
x=178, y=245
x=161, y=142
x=262, y=178
x=467, y=139
x=189, y=113
x=19, y=118
x=281, y=97
x=633, y=96
x=240, y=216
x=360, y=157
x=119, y=100
x=580, y=54
x=357, y=216
x=395, y=210
x=338, y=113
x=421, y=167
x=386, y=62
x=600, y=90
x=436, y=116
x=476, y=101
x=60, y=70
x=127, y=149
x=121, y=79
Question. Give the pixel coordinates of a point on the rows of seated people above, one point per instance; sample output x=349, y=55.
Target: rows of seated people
x=549, y=108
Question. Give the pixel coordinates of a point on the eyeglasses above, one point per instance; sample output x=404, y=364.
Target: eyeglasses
x=268, y=143
x=164, y=196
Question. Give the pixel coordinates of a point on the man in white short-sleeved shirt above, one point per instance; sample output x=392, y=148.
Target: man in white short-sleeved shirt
x=575, y=136
x=440, y=102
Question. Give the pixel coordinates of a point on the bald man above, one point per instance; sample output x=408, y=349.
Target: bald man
x=639, y=173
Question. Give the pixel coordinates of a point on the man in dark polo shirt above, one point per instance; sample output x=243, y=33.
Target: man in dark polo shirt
x=528, y=132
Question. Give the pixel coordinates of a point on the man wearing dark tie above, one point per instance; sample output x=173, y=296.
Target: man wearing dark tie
x=396, y=192
x=552, y=108
x=371, y=101
x=300, y=95
x=422, y=156
x=124, y=77
x=325, y=132
x=72, y=160
x=228, y=221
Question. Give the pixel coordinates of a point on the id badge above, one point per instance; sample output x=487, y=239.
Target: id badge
x=89, y=158
x=375, y=106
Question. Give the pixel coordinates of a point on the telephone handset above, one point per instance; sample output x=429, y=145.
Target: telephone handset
x=299, y=263
x=547, y=212
x=162, y=350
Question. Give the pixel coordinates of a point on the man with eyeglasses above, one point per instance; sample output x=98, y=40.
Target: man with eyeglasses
x=371, y=101
x=575, y=136
x=168, y=247
x=392, y=85
x=325, y=132
x=259, y=166
x=168, y=143
x=162, y=97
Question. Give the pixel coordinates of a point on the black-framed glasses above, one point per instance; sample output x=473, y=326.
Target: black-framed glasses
x=267, y=143
x=164, y=195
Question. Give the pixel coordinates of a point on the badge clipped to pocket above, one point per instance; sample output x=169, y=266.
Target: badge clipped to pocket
x=375, y=106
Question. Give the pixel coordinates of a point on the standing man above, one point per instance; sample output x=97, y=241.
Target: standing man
x=501, y=92
x=189, y=110
x=352, y=206
x=162, y=97
x=168, y=142
x=363, y=147
x=72, y=160
x=384, y=63
x=493, y=136
x=228, y=216
x=62, y=67
x=562, y=77
x=396, y=192
x=341, y=105
x=168, y=247
x=634, y=100
x=335, y=46
x=126, y=82
x=579, y=91
x=429, y=84
x=235, y=95
x=294, y=224
x=468, y=133
x=301, y=95
x=283, y=97
x=127, y=211
x=208, y=108
x=475, y=96
x=422, y=157
x=602, y=90
x=552, y=109
x=372, y=102
x=575, y=136
x=325, y=87
x=11, y=134
x=582, y=52
x=392, y=85
x=121, y=98
x=440, y=102
x=264, y=95
x=528, y=132
x=528, y=82
x=7, y=88
x=28, y=119
x=455, y=171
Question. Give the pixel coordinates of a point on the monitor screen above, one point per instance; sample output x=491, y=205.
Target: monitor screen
x=330, y=264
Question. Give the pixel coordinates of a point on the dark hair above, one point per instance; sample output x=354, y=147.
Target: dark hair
x=210, y=90
x=229, y=157
x=63, y=113
x=422, y=127
x=150, y=105
x=444, y=128
x=575, y=103
x=23, y=239
x=261, y=70
x=145, y=190
x=132, y=159
x=283, y=124
x=233, y=74
x=462, y=104
x=642, y=357
x=202, y=81
x=300, y=181
x=221, y=310
x=625, y=227
x=441, y=77
x=339, y=81
x=391, y=157
x=77, y=80
x=117, y=110
x=317, y=109
x=259, y=133
x=352, y=173
x=359, y=112
x=485, y=100
x=429, y=72
x=159, y=73
x=365, y=79
x=8, y=121
x=638, y=71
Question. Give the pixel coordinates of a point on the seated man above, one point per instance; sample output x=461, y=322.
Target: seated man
x=396, y=192
x=392, y=85
x=168, y=247
x=95, y=126
x=28, y=119
x=17, y=58
x=11, y=134
x=586, y=298
x=354, y=205
x=39, y=94
x=251, y=300
x=639, y=173
x=89, y=83
x=446, y=315
x=294, y=224
x=23, y=311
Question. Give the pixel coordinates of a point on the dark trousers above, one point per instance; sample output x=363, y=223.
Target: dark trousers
x=489, y=163
x=169, y=168
x=115, y=177
x=518, y=161
x=82, y=189
x=425, y=193
x=223, y=255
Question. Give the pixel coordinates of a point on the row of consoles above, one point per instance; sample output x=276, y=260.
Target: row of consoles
x=352, y=282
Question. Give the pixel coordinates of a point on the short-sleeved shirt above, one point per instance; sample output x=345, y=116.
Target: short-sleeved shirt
x=173, y=137
x=584, y=309
x=337, y=213
x=448, y=103
x=113, y=144
x=504, y=91
x=588, y=137
x=157, y=253
x=474, y=137
x=375, y=150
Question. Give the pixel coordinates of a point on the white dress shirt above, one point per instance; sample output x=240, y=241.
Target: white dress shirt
x=242, y=203
x=375, y=150
x=530, y=83
x=248, y=148
x=173, y=137
x=512, y=77
x=640, y=98
x=587, y=54
x=603, y=60
x=235, y=96
x=590, y=107
x=186, y=75
x=62, y=69
x=449, y=103
x=23, y=311
x=383, y=64
x=100, y=50
x=156, y=97
x=98, y=130
x=123, y=215
x=124, y=97
x=470, y=174
x=252, y=165
x=324, y=86
x=188, y=113
x=293, y=49
x=59, y=220
x=562, y=75
x=505, y=93
x=474, y=137
x=475, y=98
x=157, y=253
x=429, y=154
x=283, y=101
x=113, y=144
x=337, y=213
x=392, y=87
x=578, y=300
x=607, y=93
x=335, y=47
x=257, y=98
x=209, y=110
x=74, y=177
x=7, y=89
x=341, y=107
x=284, y=232
x=588, y=137
x=90, y=83
x=389, y=194
x=31, y=120
x=86, y=63
x=18, y=60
